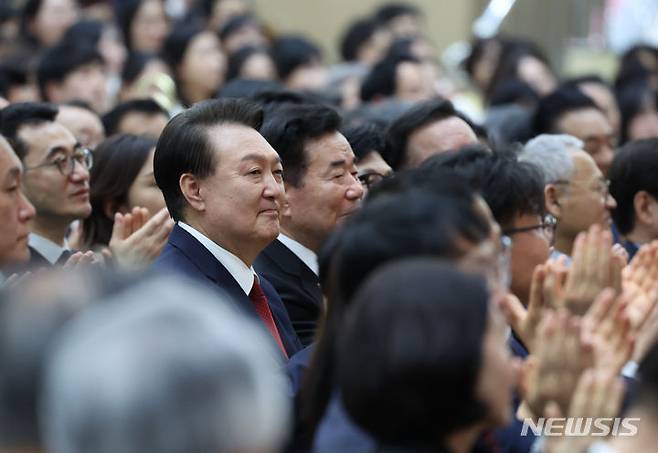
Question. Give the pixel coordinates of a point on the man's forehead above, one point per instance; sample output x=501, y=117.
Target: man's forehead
x=46, y=135
x=329, y=148
x=236, y=141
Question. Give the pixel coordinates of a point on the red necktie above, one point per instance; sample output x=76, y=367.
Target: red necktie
x=259, y=300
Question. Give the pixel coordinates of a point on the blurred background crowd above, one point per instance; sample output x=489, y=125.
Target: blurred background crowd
x=252, y=226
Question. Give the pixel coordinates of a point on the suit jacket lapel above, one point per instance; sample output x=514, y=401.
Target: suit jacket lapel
x=292, y=265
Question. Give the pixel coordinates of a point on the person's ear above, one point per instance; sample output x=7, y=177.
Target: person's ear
x=190, y=186
x=645, y=207
x=552, y=200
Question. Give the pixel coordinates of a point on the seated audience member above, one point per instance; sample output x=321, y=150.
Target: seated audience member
x=241, y=31
x=223, y=185
x=322, y=191
x=401, y=19
x=446, y=383
x=639, y=112
x=44, y=22
x=122, y=180
x=367, y=142
x=251, y=63
x=365, y=42
x=402, y=77
x=16, y=85
x=299, y=63
x=568, y=111
x=428, y=128
x=603, y=95
x=136, y=117
x=56, y=177
x=83, y=122
x=72, y=71
x=144, y=24
x=634, y=186
x=575, y=191
x=205, y=377
x=514, y=191
x=196, y=61
x=147, y=76
x=15, y=210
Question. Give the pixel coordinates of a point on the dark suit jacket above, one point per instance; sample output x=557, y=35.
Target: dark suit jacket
x=297, y=285
x=187, y=256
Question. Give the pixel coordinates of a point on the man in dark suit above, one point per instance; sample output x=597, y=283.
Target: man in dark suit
x=223, y=185
x=56, y=177
x=322, y=191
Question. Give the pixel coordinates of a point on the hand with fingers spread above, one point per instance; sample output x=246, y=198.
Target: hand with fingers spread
x=597, y=395
x=83, y=259
x=640, y=281
x=607, y=327
x=592, y=269
x=137, y=240
x=561, y=356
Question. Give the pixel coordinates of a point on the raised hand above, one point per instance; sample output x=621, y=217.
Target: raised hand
x=137, y=240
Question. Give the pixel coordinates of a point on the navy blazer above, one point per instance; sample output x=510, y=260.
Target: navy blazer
x=187, y=256
x=297, y=285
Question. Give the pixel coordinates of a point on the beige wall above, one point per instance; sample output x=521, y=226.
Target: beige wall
x=446, y=21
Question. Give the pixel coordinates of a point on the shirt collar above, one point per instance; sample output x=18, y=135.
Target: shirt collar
x=302, y=252
x=235, y=266
x=46, y=248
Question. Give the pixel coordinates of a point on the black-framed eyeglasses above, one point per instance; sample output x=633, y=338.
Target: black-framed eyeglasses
x=370, y=178
x=547, y=228
x=66, y=164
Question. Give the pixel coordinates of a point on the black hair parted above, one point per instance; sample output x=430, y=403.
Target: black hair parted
x=289, y=126
x=429, y=377
x=183, y=146
x=238, y=58
x=633, y=169
x=381, y=81
x=551, y=108
x=293, y=51
x=390, y=11
x=15, y=116
x=421, y=114
x=112, y=119
x=61, y=60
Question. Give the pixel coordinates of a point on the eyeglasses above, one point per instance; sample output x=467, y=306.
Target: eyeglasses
x=602, y=187
x=371, y=178
x=547, y=228
x=66, y=164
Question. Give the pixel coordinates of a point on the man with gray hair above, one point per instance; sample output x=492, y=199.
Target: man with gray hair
x=164, y=367
x=575, y=190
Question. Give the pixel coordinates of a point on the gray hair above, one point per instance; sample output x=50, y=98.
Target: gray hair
x=552, y=155
x=164, y=367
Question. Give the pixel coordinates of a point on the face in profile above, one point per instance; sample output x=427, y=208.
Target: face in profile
x=15, y=210
x=144, y=192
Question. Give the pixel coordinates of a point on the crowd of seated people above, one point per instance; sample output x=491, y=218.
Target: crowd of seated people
x=215, y=239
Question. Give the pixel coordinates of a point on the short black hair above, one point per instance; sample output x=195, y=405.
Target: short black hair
x=134, y=65
x=125, y=11
x=365, y=138
x=382, y=78
x=418, y=116
x=357, y=34
x=13, y=72
x=288, y=127
x=112, y=119
x=183, y=146
x=61, y=60
x=510, y=188
x=390, y=11
x=418, y=388
x=238, y=58
x=236, y=23
x=15, y=116
x=587, y=78
x=84, y=32
x=243, y=88
x=513, y=91
x=291, y=52
x=177, y=42
x=551, y=108
x=633, y=169
x=632, y=100
x=635, y=65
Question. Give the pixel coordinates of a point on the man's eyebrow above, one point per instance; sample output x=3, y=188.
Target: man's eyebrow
x=259, y=157
x=54, y=150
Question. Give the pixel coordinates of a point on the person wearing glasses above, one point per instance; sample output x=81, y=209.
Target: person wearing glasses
x=575, y=190
x=56, y=177
x=367, y=142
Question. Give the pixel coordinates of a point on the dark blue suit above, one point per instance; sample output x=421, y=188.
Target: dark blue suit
x=187, y=256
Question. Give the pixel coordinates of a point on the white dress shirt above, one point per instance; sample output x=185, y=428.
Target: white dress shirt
x=235, y=266
x=302, y=252
x=47, y=248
